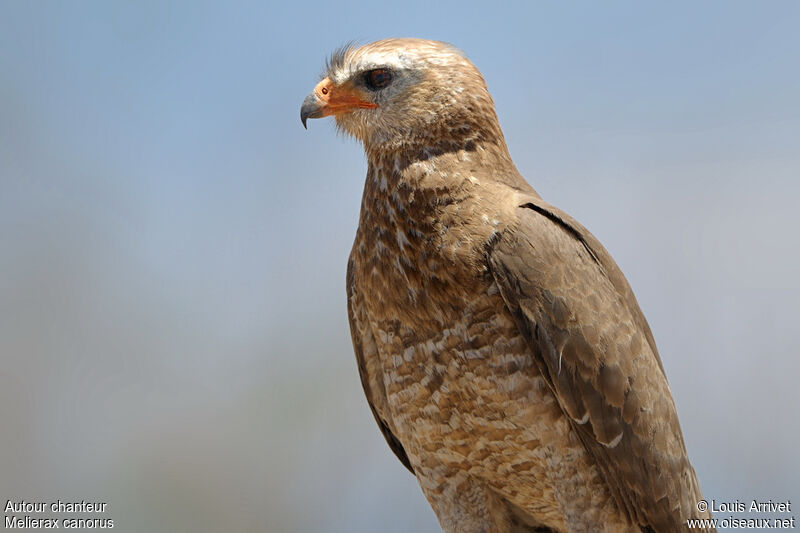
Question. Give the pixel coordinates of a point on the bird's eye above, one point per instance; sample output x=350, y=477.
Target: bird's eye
x=378, y=78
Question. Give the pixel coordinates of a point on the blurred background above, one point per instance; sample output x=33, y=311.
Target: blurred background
x=173, y=331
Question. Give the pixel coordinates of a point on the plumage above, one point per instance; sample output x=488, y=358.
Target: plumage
x=500, y=348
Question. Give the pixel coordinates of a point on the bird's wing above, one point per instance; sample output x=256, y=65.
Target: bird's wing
x=593, y=346
x=367, y=359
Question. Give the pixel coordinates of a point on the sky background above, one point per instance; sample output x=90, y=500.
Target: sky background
x=173, y=329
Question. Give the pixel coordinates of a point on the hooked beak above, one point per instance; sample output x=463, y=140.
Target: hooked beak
x=328, y=99
x=311, y=108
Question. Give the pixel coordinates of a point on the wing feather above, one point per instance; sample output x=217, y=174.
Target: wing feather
x=366, y=351
x=595, y=349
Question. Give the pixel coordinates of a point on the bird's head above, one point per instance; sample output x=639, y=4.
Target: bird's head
x=402, y=92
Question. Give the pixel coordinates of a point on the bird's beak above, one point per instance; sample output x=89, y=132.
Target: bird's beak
x=329, y=99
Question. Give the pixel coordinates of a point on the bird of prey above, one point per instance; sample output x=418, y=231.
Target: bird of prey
x=501, y=350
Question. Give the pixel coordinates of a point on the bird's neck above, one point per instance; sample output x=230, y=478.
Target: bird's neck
x=436, y=157
x=424, y=182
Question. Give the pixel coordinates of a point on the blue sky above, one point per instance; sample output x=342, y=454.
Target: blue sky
x=173, y=243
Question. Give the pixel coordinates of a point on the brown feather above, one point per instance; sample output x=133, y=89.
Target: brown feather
x=500, y=348
x=625, y=392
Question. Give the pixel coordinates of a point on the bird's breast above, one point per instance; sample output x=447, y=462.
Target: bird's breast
x=463, y=392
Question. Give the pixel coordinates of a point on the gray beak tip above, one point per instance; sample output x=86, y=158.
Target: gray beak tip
x=311, y=108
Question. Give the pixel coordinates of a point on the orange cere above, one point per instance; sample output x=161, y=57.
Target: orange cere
x=340, y=99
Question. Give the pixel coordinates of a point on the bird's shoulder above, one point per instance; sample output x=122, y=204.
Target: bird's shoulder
x=534, y=213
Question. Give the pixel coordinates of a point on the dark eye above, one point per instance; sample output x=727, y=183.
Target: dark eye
x=378, y=78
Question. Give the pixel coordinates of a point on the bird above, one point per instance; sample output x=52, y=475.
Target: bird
x=501, y=350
